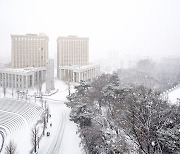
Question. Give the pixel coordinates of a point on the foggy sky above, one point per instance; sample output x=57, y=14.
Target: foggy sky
x=142, y=27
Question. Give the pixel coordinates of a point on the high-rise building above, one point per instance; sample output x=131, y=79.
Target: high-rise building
x=73, y=59
x=72, y=50
x=30, y=50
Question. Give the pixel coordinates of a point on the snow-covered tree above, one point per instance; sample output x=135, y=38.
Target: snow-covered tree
x=44, y=123
x=34, y=138
x=169, y=133
x=121, y=118
x=10, y=148
x=90, y=104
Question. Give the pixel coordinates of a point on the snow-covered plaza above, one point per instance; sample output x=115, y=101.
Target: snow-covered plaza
x=22, y=115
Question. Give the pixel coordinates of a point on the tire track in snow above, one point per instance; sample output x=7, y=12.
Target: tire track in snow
x=56, y=145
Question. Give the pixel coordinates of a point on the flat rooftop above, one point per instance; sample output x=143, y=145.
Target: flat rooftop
x=76, y=67
x=22, y=70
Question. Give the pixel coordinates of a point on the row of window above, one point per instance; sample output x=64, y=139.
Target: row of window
x=30, y=39
x=73, y=40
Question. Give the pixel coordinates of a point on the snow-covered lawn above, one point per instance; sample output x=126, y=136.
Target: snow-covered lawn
x=173, y=95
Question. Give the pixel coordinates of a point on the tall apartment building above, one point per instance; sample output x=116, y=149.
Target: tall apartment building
x=72, y=50
x=30, y=50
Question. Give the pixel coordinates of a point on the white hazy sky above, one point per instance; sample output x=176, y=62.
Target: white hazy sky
x=143, y=27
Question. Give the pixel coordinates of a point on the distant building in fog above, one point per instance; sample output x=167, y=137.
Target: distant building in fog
x=30, y=50
x=170, y=63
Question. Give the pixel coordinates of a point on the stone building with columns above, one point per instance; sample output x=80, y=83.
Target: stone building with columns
x=22, y=78
x=77, y=73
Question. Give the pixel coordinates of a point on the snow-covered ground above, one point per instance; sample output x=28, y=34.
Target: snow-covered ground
x=22, y=140
x=63, y=138
x=173, y=95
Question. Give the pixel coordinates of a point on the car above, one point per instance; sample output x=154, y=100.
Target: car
x=48, y=134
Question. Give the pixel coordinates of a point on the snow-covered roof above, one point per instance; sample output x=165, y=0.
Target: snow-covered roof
x=80, y=68
x=21, y=70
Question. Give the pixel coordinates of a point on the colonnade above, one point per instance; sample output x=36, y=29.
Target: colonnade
x=76, y=75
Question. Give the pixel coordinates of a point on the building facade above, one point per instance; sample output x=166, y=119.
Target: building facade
x=76, y=73
x=72, y=50
x=30, y=50
x=49, y=75
x=73, y=59
x=22, y=78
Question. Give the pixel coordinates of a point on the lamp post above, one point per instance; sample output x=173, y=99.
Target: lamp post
x=153, y=145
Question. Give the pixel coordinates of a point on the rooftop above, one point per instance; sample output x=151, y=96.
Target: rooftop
x=76, y=67
x=29, y=35
x=71, y=37
x=21, y=70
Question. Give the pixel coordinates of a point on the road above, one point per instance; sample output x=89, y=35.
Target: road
x=59, y=117
x=56, y=146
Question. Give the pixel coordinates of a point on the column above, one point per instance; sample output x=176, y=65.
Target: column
x=22, y=81
x=59, y=73
x=26, y=82
x=42, y=76
x=93, y=73
x=63, y=74
x=33, y=81
x=81, y=76
x=15, y=82
x=87, y=75
x=7, y=78
x=78, y=76
x=72, y=75
x=0, y=79
x=6, y=75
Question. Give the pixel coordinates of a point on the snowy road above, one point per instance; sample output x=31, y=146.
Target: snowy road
x=56, y=146
x=63, y=138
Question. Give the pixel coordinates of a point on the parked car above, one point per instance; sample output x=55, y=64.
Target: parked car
x=48, y=133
